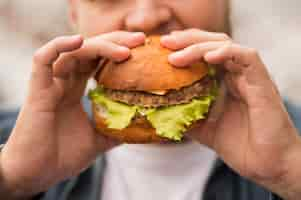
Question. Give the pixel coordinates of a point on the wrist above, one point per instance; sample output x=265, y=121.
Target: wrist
x=288, y=186
x=8, y=193
x=9, y=190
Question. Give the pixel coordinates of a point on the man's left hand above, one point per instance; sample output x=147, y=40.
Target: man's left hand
x=250, y=129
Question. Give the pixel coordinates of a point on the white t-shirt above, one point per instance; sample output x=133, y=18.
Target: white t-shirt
x=148, y=172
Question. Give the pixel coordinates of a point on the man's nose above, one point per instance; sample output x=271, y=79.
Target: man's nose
x=147, y=16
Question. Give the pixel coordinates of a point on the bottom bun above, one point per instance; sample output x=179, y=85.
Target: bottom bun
x=138, y=132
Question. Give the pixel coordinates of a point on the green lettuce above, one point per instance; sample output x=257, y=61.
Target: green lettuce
x=119, y=115
x=170, y=122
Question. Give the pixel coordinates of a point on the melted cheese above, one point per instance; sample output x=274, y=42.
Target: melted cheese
x=158, y=92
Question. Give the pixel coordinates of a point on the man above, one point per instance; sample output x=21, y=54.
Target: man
x=53, y=139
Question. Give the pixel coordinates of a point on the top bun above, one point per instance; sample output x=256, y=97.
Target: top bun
x=148, y=69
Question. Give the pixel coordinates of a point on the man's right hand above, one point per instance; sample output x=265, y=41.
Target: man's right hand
x=53, y=138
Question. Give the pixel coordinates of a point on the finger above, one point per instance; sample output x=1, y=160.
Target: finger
x=123, y=38
x=82, y=60
x=235, y=57
x=248, y=74
x=193, y=53
x=114, y=46
x=181, y=39
x=231, y=82
x=241, y=61
x=41, y=75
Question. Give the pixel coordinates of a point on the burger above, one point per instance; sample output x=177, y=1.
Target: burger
x=147, y=100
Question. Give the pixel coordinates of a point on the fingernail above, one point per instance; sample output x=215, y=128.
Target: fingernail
x=138, y=34
x=169, y=41
x=167, y=38
x=172, y=58
x=76, y=37
x=209, y=55
x=123, y=54
x=177, y=59
x=123, y=49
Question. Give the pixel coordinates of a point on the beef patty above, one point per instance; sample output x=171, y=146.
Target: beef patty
x=172, y=97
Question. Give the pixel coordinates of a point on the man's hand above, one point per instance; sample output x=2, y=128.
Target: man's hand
x=250, y=128
x=53, y=138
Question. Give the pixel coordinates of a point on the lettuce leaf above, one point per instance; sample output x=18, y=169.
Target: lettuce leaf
x=119, y=115
x=170, y=122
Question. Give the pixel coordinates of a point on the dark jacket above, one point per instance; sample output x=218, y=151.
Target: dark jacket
x=223, y=182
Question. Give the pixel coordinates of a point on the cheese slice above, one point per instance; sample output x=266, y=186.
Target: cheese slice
x=158, y=92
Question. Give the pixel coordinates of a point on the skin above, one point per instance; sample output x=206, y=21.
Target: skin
x=251, y=118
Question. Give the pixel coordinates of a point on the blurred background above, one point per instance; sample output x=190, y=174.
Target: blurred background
x=273, y=27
